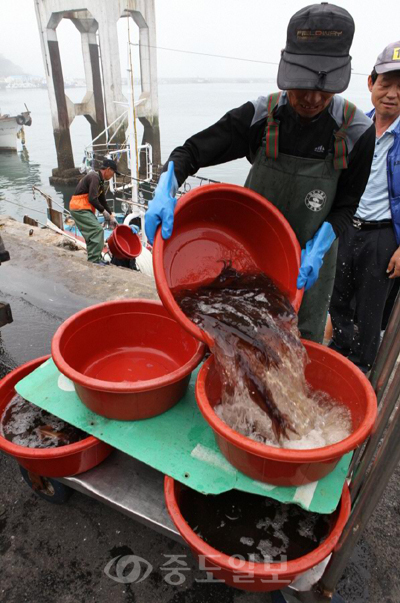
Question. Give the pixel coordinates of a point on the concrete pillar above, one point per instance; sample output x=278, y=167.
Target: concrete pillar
x=94, y=94
x=91, y=16
x=149, y=114
x=111, y=70
x=99, y=125
x=55, y=85
x=62, y=136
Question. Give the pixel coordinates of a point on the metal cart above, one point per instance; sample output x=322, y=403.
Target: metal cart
x=137, y=490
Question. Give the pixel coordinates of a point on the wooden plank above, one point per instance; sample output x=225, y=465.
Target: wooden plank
x=30, y=221
x=56, y=217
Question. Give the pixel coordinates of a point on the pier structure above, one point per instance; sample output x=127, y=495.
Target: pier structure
x=96, y=20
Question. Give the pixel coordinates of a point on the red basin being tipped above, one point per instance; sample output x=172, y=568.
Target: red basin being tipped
x=224, y=223
x=49, y=462
x=127, y=358
x=124, y=244
x=250, y=576
x=327, y=371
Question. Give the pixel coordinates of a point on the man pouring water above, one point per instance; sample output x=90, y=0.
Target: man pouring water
x=310, y=151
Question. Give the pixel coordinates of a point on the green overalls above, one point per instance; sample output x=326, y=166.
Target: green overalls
x=304, y=191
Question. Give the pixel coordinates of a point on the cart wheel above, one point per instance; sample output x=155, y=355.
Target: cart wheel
x=47, y=488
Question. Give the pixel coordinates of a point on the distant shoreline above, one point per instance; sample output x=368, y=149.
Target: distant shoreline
x=214, y=80
x=34, y=82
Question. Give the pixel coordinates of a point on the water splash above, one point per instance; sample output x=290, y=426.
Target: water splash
x=261, y=362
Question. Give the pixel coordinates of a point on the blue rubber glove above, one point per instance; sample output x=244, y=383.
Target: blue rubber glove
x=135, y=229
x=313, y=255
x=161, y=208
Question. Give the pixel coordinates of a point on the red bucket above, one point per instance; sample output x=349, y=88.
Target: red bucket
x=124, y=244
x=127, y=358
x=224, y=222
x=327, y=371
x=254, y=577
x=49, y=462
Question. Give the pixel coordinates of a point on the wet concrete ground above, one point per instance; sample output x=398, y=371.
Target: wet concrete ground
x=59, y=553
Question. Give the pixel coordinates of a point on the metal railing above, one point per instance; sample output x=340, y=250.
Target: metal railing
x=372, y=466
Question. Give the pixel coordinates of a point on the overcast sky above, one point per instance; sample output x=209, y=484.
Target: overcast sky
x=251, y=29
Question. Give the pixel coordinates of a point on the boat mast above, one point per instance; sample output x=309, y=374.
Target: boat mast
x=133, y=142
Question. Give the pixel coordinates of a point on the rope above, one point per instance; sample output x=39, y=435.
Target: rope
x=133, y=103
x=25, y=207
x=206, y=54
x=102, y=81
x=222, y=56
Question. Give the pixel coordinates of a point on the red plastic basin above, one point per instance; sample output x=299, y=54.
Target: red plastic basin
x=327, y=371
x=127, y=358
x=249, y=576
x=124, y=244
x=49, y=462
x=224, y=222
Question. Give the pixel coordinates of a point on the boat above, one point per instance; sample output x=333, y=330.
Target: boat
x=130, y=192
x=11, y=128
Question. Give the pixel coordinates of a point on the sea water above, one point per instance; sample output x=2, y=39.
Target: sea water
x=28, y=425
x=261, y=362
x=185, y=108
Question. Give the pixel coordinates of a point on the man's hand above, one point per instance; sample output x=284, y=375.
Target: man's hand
x=394, y=264
x=113, y=221
x=110, y=218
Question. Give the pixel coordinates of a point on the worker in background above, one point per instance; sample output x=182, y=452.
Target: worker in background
x=310, y=151
x=90, y=195
x=369, y=247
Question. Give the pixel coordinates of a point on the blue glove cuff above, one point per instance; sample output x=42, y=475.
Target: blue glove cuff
x=312, y=256
x=324, y=237
x=161, y=208
x=168, y=184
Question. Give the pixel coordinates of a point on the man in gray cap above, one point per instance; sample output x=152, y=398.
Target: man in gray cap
x=369, y=252
x=310, y=151
x=88, y=197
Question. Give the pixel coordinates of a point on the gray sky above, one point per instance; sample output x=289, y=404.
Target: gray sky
x=254, y=29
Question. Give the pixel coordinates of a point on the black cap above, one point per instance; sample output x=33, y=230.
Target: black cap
x=316, y=56
x=110, y=163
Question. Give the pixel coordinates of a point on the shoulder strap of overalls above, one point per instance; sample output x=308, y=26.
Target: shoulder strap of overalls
x=272, y=132
x=340, y=146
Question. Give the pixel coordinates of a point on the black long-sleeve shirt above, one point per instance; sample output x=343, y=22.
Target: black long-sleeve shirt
x=239, y=133
x=93, y=184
